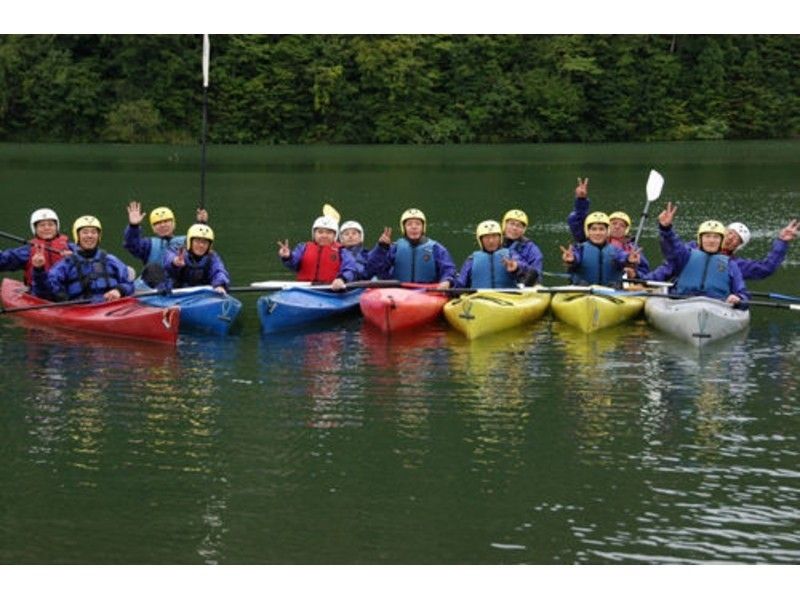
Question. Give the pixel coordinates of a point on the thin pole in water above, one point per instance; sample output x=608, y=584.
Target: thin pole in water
x=206, y=56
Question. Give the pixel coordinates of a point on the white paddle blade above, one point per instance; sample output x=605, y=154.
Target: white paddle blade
x=655, y=182
x=329, y=211
x=206, y=58
x=277, y=285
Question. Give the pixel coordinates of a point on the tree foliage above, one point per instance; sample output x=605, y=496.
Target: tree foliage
x=280, y=89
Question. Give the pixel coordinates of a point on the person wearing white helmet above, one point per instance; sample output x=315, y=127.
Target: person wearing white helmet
x=47, y=236
x=196, y=263
x=704, y=269
x=414, y=257
x=618, y=229
x=351, y=236
x=89, y=273
x=322, y=260
x=152, y=251
x=492, y=266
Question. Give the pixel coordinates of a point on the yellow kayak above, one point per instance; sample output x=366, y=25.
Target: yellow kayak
x=594, y=309
x=485, y=312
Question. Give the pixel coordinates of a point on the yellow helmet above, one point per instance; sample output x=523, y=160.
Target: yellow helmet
x=161, y=214
x=487, y=227
x=199, y=231
x=621, y=216
x=596, y=218
x=413, y=213
x=711, y=226
x=83, y=222
x=515, y=215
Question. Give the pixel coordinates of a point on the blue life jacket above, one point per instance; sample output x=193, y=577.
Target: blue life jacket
x=488, y=270
x=88, y=276
x=415, y=263
x=159, y=247
x=597, y=265
x=705, y=274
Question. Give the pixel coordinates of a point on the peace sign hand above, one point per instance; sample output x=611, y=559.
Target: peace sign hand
x=180, y=259
x=789, y=232
x=38, y=259
x=284, y=252
x=582, y=190
x=666, y=217
x=386, y=237
x=511, y=264
x=567, y=254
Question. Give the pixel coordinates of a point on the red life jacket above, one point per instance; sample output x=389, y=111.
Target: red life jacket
x=320, y=264
x=60, y=243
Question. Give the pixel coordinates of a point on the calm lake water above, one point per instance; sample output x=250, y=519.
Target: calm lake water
x=542, y=445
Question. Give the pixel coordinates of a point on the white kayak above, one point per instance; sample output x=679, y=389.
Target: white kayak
x=697, y=320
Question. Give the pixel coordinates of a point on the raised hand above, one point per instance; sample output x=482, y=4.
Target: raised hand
x=386, y=237
x=789, y=232
x=567, y=254
x=582, y=190
x=283, y=249
x=180, y=259
x=38, y=259
x=666, y=217
x=511, y=264
x=135, y=214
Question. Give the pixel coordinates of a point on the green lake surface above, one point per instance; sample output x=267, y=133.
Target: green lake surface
x=339, y=445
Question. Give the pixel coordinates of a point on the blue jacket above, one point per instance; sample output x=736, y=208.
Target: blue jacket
x=83, y=275
x=679, y=254
x=531, y=260
x=576, y=220
x=382, y=261
x=597, y=264
x=151, y=250
x=206, y=270
x=486, y=271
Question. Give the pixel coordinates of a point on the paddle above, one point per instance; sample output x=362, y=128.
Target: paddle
x=655, y=183
x=331, y=212
x=774, y=296
x=206, y=56
x=744, y=304
x=27, y=242
x=594, y=291
x=55, y=304
x=281, y=285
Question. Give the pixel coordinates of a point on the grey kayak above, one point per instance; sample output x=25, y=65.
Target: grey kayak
x=698, y=320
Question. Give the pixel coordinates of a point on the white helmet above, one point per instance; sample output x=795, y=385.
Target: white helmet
x=741, y=230
x=44, y=214
x=326, y=222
x=351, y=224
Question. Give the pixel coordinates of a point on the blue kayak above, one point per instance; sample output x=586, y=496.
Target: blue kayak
x=202, y=309
x=298, y=307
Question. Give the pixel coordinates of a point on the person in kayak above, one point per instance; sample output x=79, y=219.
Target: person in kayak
x=351, y=237
x=703, y=270
x=414, y=257
x=196, y=264
x=322, y=260
x=737, y=235
x=89, y=273
x=492, y=266
x=515, y=222
x=619, y=226
x=47, y=235
x=597, y=260
x=152, y=250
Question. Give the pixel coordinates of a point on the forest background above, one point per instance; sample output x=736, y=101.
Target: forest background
x=418, y=89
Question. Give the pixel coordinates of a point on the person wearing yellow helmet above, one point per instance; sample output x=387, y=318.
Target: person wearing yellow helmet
x=322, y=260
x=596, y=260
x=414, y=257
x=196, y=263
x=702, y=270
x=88, y=273
x=152, y=250
x=514, y=224
x=492, y=266
x=619, y=226
x=47, y=236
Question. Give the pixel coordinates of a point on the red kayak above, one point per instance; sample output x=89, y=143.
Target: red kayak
x=123, y=318
x=397, y=309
